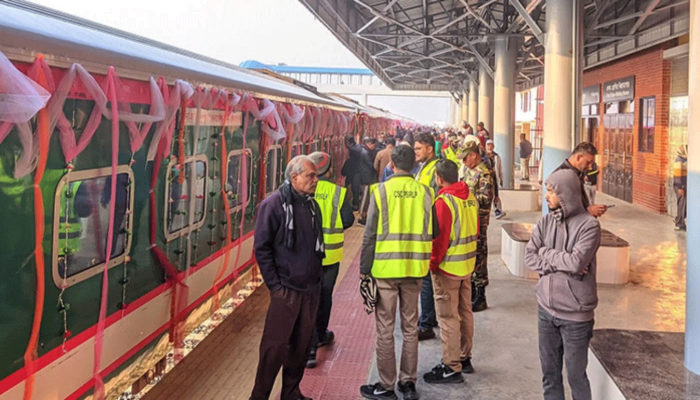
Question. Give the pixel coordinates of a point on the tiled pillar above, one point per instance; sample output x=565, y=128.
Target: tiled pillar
x=692, y=319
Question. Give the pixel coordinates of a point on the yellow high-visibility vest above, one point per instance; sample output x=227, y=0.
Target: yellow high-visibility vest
x=461, y=255
x=330, y=198
x=452, y=156
x=405, y=229
x=427, y=174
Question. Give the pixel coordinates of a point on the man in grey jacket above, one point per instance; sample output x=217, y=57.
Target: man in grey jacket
x=562, y=250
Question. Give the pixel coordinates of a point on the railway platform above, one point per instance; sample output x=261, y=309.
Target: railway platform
x=505, y=355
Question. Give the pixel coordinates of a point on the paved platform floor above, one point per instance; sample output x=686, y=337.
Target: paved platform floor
x=505, y=344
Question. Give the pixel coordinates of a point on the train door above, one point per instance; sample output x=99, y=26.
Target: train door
x=618, y=150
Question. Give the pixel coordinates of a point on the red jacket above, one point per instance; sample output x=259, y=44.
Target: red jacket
x=444, y=217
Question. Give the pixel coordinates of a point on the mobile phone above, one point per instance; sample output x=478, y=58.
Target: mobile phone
x=611, y=206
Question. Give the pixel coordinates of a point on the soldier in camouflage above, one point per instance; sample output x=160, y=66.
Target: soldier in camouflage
x=479, y=177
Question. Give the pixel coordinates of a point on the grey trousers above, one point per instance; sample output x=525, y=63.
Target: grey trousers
x=568, y=340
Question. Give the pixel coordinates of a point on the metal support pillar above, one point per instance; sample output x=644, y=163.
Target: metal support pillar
x=692, y=308
x=485, y=99
x=473, y=104
x=558, y=86
x=504, y=106
x=465, y=108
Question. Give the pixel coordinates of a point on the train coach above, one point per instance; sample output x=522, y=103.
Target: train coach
x=130, y=174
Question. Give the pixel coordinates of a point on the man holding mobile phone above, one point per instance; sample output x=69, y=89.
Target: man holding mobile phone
x=580, y=161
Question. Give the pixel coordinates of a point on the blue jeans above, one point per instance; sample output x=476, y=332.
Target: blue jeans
x=427, y=319
x=559, y=338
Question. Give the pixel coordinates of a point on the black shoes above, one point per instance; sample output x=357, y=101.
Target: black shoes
x=479, y=300
x=409, y=390
x=425, y=334
x=377, y=392
x=327, y=339
x=311, y=362
x=443, y=374
x=467, y=367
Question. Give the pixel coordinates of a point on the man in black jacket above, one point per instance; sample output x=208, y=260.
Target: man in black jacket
x=289, y=250
x=368, y=175
x=351, y=172
x=580, y=160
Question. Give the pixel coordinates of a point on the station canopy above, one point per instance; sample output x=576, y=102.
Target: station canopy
x=440, y=44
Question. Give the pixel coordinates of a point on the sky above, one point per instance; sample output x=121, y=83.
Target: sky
x=269, y=31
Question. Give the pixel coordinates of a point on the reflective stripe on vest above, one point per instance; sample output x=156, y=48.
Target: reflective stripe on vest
x=405, y=229
x=461, y=255
x=426, y=174
x=330, y=198
x=452, y=156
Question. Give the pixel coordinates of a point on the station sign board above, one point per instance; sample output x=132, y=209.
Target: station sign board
x=591, y=95
x=619, y=90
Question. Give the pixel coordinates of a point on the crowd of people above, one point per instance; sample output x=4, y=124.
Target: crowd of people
x=425, y=199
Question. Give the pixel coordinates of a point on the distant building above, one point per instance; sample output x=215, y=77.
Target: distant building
x=361, y=85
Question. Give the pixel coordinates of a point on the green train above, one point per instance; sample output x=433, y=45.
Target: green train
x=187, y=126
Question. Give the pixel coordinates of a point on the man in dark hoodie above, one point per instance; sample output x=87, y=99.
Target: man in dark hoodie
x=562, y=250
x=289, y=250
x=368, y=175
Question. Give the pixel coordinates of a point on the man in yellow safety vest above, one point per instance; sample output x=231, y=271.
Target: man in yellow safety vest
x=451, y=265
x=425, y=156
x=336, y=212
x=451, y=151
x=396, y=252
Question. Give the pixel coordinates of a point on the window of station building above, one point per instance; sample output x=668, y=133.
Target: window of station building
x=81, y=223
x=234, y=181
x=274, y=168
x=647, y=124
x=186, y=200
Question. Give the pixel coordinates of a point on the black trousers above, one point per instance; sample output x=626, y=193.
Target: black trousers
x=323, y=317
x=682, y=209
x=353, y=181
x=285, y=343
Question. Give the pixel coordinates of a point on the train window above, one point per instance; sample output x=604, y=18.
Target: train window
x=234, y=179
x=81, y=223
x=296, y=149
x=186, y=201
x=314, y=146
x=275, y=168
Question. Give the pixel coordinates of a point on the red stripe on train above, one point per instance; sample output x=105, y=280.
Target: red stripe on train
x=18, y=376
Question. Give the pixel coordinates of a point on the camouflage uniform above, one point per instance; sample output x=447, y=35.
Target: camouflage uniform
x=481, y=182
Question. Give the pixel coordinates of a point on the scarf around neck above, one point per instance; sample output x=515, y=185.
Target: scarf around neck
x=287, y=194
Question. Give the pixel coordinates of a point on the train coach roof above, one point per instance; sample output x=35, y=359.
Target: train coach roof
x=27, y=29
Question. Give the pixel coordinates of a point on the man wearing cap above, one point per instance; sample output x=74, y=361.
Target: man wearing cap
x=450, y=152
x=467, y=129
x=493, y=161
x=337, y=215
x=480, y=181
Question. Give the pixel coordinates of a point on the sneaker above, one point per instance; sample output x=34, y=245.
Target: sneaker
x=425, y=334
x=361, y=222
x=467, y=367
x=328, y=338
x=500, y=215
x=311, y=362
x=679, y=228
x=443, y=374
x=377, y=392
x=409, y=390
